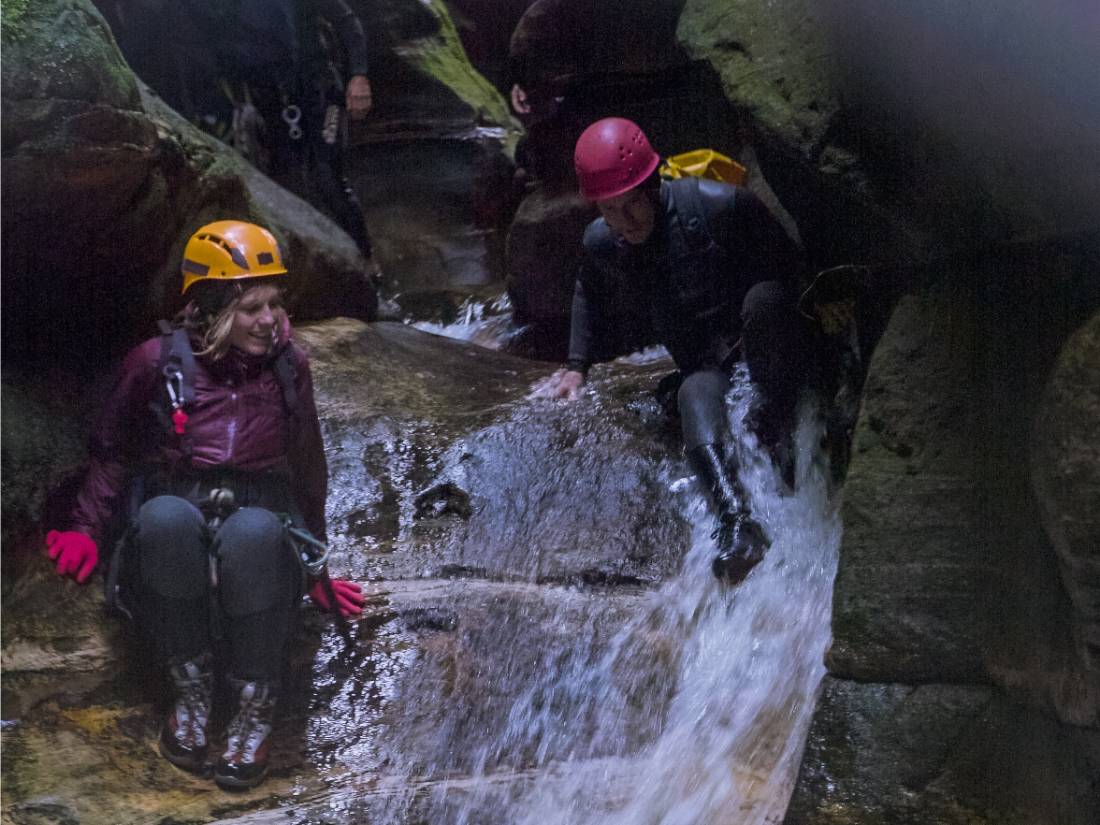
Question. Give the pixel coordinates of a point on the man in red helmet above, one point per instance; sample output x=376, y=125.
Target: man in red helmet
x=714, y=275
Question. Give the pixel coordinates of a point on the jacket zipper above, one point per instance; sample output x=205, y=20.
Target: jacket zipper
x=232, y=431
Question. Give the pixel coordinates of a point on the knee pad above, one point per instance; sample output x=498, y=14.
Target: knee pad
x=170, y=542
x=765, y=299
x=257, y=570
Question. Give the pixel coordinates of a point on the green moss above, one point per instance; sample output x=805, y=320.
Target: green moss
x=443, y=58
x=773, y=59
x=13, y=14
x=63, y=49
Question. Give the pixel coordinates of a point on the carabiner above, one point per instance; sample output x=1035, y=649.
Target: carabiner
x=175, y=396
x=292, y=116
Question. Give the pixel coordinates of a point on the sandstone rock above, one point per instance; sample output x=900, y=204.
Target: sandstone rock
x=135, y=180
x=944, y=574
x=890, y=130
x=544, y=253
x=948, y=754
x=1065, y=469
x=411, y=421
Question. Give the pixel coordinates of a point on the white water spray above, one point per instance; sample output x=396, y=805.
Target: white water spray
x=724, y=735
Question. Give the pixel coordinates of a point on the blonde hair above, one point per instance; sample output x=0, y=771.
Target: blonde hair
x=213, y=330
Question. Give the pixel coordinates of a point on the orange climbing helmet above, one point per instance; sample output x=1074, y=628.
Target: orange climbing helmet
x=612, y=156
x=230, y=251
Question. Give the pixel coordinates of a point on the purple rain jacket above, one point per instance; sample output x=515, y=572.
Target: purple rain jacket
x=238, y=421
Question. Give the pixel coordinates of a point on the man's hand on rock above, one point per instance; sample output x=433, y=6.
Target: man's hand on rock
x=564, y=384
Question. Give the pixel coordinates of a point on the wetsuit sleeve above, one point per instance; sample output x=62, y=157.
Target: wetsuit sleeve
x=308, y=465
x=581, y=330
x=112, y=445
x=753, y=238
x=350, y=30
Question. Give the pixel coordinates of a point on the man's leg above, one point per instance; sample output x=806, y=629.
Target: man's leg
x=259, y=586
x=741, y=541
x=776, y=353
x=169, y=549
x=327, y=146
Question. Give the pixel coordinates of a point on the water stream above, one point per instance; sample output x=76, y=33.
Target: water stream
x=685, y=703
x=689, y=706
x=727, y=745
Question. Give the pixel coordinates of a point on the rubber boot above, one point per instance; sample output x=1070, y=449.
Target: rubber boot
x=183, y=735
x=741, y=541
x=248, y=737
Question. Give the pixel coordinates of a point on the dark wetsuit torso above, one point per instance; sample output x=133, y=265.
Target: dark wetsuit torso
x=717, y=268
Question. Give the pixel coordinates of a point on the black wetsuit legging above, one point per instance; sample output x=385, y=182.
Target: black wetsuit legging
x=323, y=159
x=259, y=581
x=776, y=349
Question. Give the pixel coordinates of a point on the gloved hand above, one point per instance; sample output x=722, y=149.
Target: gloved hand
x=349, y=596
x=76, y=553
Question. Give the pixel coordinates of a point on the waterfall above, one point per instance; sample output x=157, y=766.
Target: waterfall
x=694, y=710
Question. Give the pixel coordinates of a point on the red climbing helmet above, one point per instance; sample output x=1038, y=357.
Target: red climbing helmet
x=612, y=156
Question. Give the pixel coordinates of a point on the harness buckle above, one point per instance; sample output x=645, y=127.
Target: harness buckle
x=312, y=553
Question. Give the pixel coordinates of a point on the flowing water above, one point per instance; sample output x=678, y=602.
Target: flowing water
x=686, y=703
x=729, y=741
x=485, y=323
x=689, y=706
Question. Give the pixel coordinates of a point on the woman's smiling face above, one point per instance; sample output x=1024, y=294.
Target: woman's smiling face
x=256, y=320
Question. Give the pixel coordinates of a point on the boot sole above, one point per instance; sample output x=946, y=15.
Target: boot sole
x=190, y=764
x=235, y=783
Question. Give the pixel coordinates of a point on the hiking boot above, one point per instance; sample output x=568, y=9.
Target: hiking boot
x=183, y=735
x=741, y=544
x=248, y=737
x=740, y=539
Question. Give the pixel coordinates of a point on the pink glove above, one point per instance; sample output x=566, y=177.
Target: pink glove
x=76, y=553
x=349, y=596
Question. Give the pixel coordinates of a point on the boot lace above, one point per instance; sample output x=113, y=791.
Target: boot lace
x=193, y=686
x=251, y=725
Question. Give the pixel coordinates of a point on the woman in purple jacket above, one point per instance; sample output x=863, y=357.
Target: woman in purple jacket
x=212, y=437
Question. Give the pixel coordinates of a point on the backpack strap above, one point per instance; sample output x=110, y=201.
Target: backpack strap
x=176, y=367
x=693, y=213
x=286, y=373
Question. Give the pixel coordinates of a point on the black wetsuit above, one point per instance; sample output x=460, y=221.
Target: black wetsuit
x=718, y=269
x=296, y=66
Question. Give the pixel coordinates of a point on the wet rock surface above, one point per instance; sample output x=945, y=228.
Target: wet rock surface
x=466, y=510
x=1065, y=470
x=945, y=754
x=953, y=587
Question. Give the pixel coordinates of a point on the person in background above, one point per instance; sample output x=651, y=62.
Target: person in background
x=208, y=457
x=293, y=71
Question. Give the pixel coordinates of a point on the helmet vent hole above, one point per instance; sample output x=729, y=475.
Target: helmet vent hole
x=265, y=258
x=237, y=257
